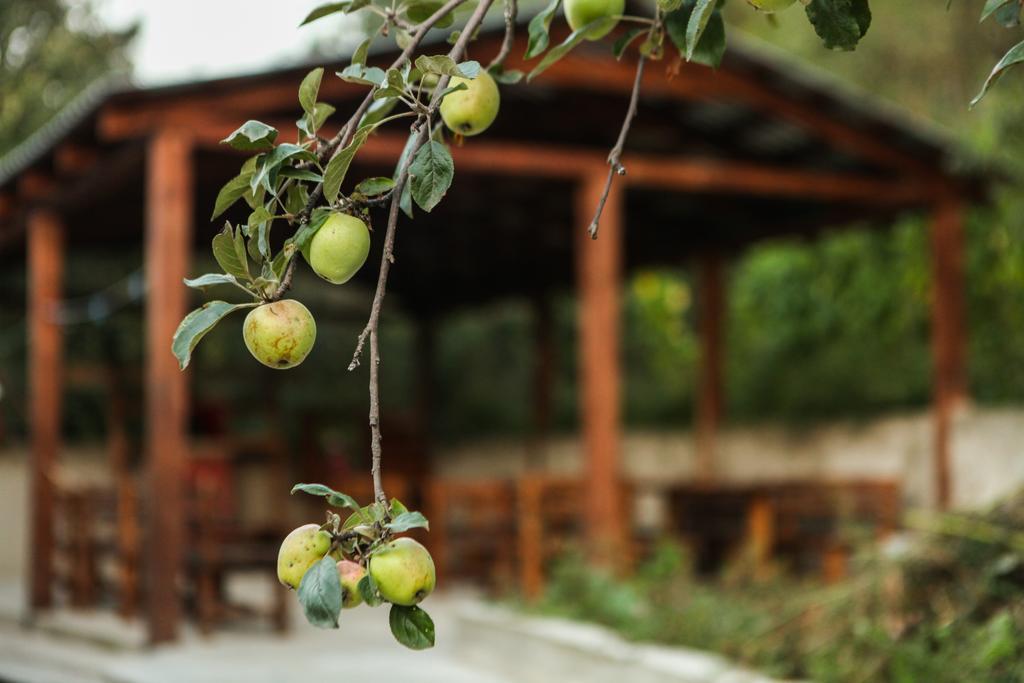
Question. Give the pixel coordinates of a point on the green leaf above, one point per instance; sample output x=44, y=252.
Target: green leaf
x=210, y=279
x=368, y=589
x=710, y=49
x=421, y=10
x=444, y=65
x=300, y=174
x=368, y=514
x=377, y=112
x=412, y=627
x=309, y=88
x=320, y=593
x=669, y=5
x=840, y=23
x=267, y=171
x=699, y=18
x=1011, y=59
x=229, y=250
x=326, y=10
x=231, y=193
x=1008, y=16
x=405, y=201
x=364, y=75
x=363, y=51
x=259, y=222
x=431, y=174
x=305, y=233
x=334, y=498
x=397, y=508
x=252, y=136
x=196, y=324
x=371, y=187
x=566, y=46
x=309, y=124
x=296, y=198
x=337, y=167
x=992, y=6
x=624, y=41
x=408, y=520
x=539, y=29
x=510, y=77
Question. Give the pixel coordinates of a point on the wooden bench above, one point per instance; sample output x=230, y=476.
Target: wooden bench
x=806, y=525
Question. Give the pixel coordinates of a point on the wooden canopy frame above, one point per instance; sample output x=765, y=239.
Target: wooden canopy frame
x=169, y=127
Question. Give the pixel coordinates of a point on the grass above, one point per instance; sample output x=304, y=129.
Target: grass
x=948, y=608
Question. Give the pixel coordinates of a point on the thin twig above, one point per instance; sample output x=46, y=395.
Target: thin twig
x=511, y=11
x=615, y=166
x=387, y=258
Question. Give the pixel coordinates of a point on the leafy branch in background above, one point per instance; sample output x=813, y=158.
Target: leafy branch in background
x=299, y=186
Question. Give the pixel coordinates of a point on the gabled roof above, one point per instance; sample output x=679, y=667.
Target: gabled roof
x=715, y=159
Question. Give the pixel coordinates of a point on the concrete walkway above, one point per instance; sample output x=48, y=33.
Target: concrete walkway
x=362, y=649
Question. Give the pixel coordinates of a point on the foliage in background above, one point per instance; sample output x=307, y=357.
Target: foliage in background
x=948, y=610
x=49, y=51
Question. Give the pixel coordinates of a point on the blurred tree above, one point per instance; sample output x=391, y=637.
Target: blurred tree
x=49, y=52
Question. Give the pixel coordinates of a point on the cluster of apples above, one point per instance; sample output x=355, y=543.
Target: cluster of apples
x=401, y=569
x=281, y=334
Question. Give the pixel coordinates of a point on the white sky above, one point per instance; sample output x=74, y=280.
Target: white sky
x=189, y=39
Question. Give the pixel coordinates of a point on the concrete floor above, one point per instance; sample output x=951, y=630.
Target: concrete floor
x=361, y=649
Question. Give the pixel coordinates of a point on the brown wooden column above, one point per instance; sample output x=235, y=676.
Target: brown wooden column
x=169, y=200
x=543, y=388
x=948, y=335
x=45, y=365
x=599, y=266
x=711, y=310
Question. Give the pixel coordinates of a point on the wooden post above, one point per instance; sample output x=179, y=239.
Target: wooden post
x=948, y=335
x=426, y=395
x=761, y=533
x=599, y=265
x=711, y=291
x=530, y=532
x=169, y=200
x=543, y=380
x=45, y=365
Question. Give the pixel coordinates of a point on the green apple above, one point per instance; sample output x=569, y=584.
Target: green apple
x=339, y=248
x=472, y=110
x=300, y=550
x=771, y=5
x=279, y=334
x=403, y=571
x=349, y=573
x=579, y=13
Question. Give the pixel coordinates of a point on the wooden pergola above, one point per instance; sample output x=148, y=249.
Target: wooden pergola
x=717, y=160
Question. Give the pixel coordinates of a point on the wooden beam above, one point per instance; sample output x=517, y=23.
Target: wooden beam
x=650, y=171
x=711, y=311
x=948, y=336
x=45, y=360
x=577, y=71
x=35, y=186
x=599, y=273
x=169, y=198
x=6, y=206
x=72, y=159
